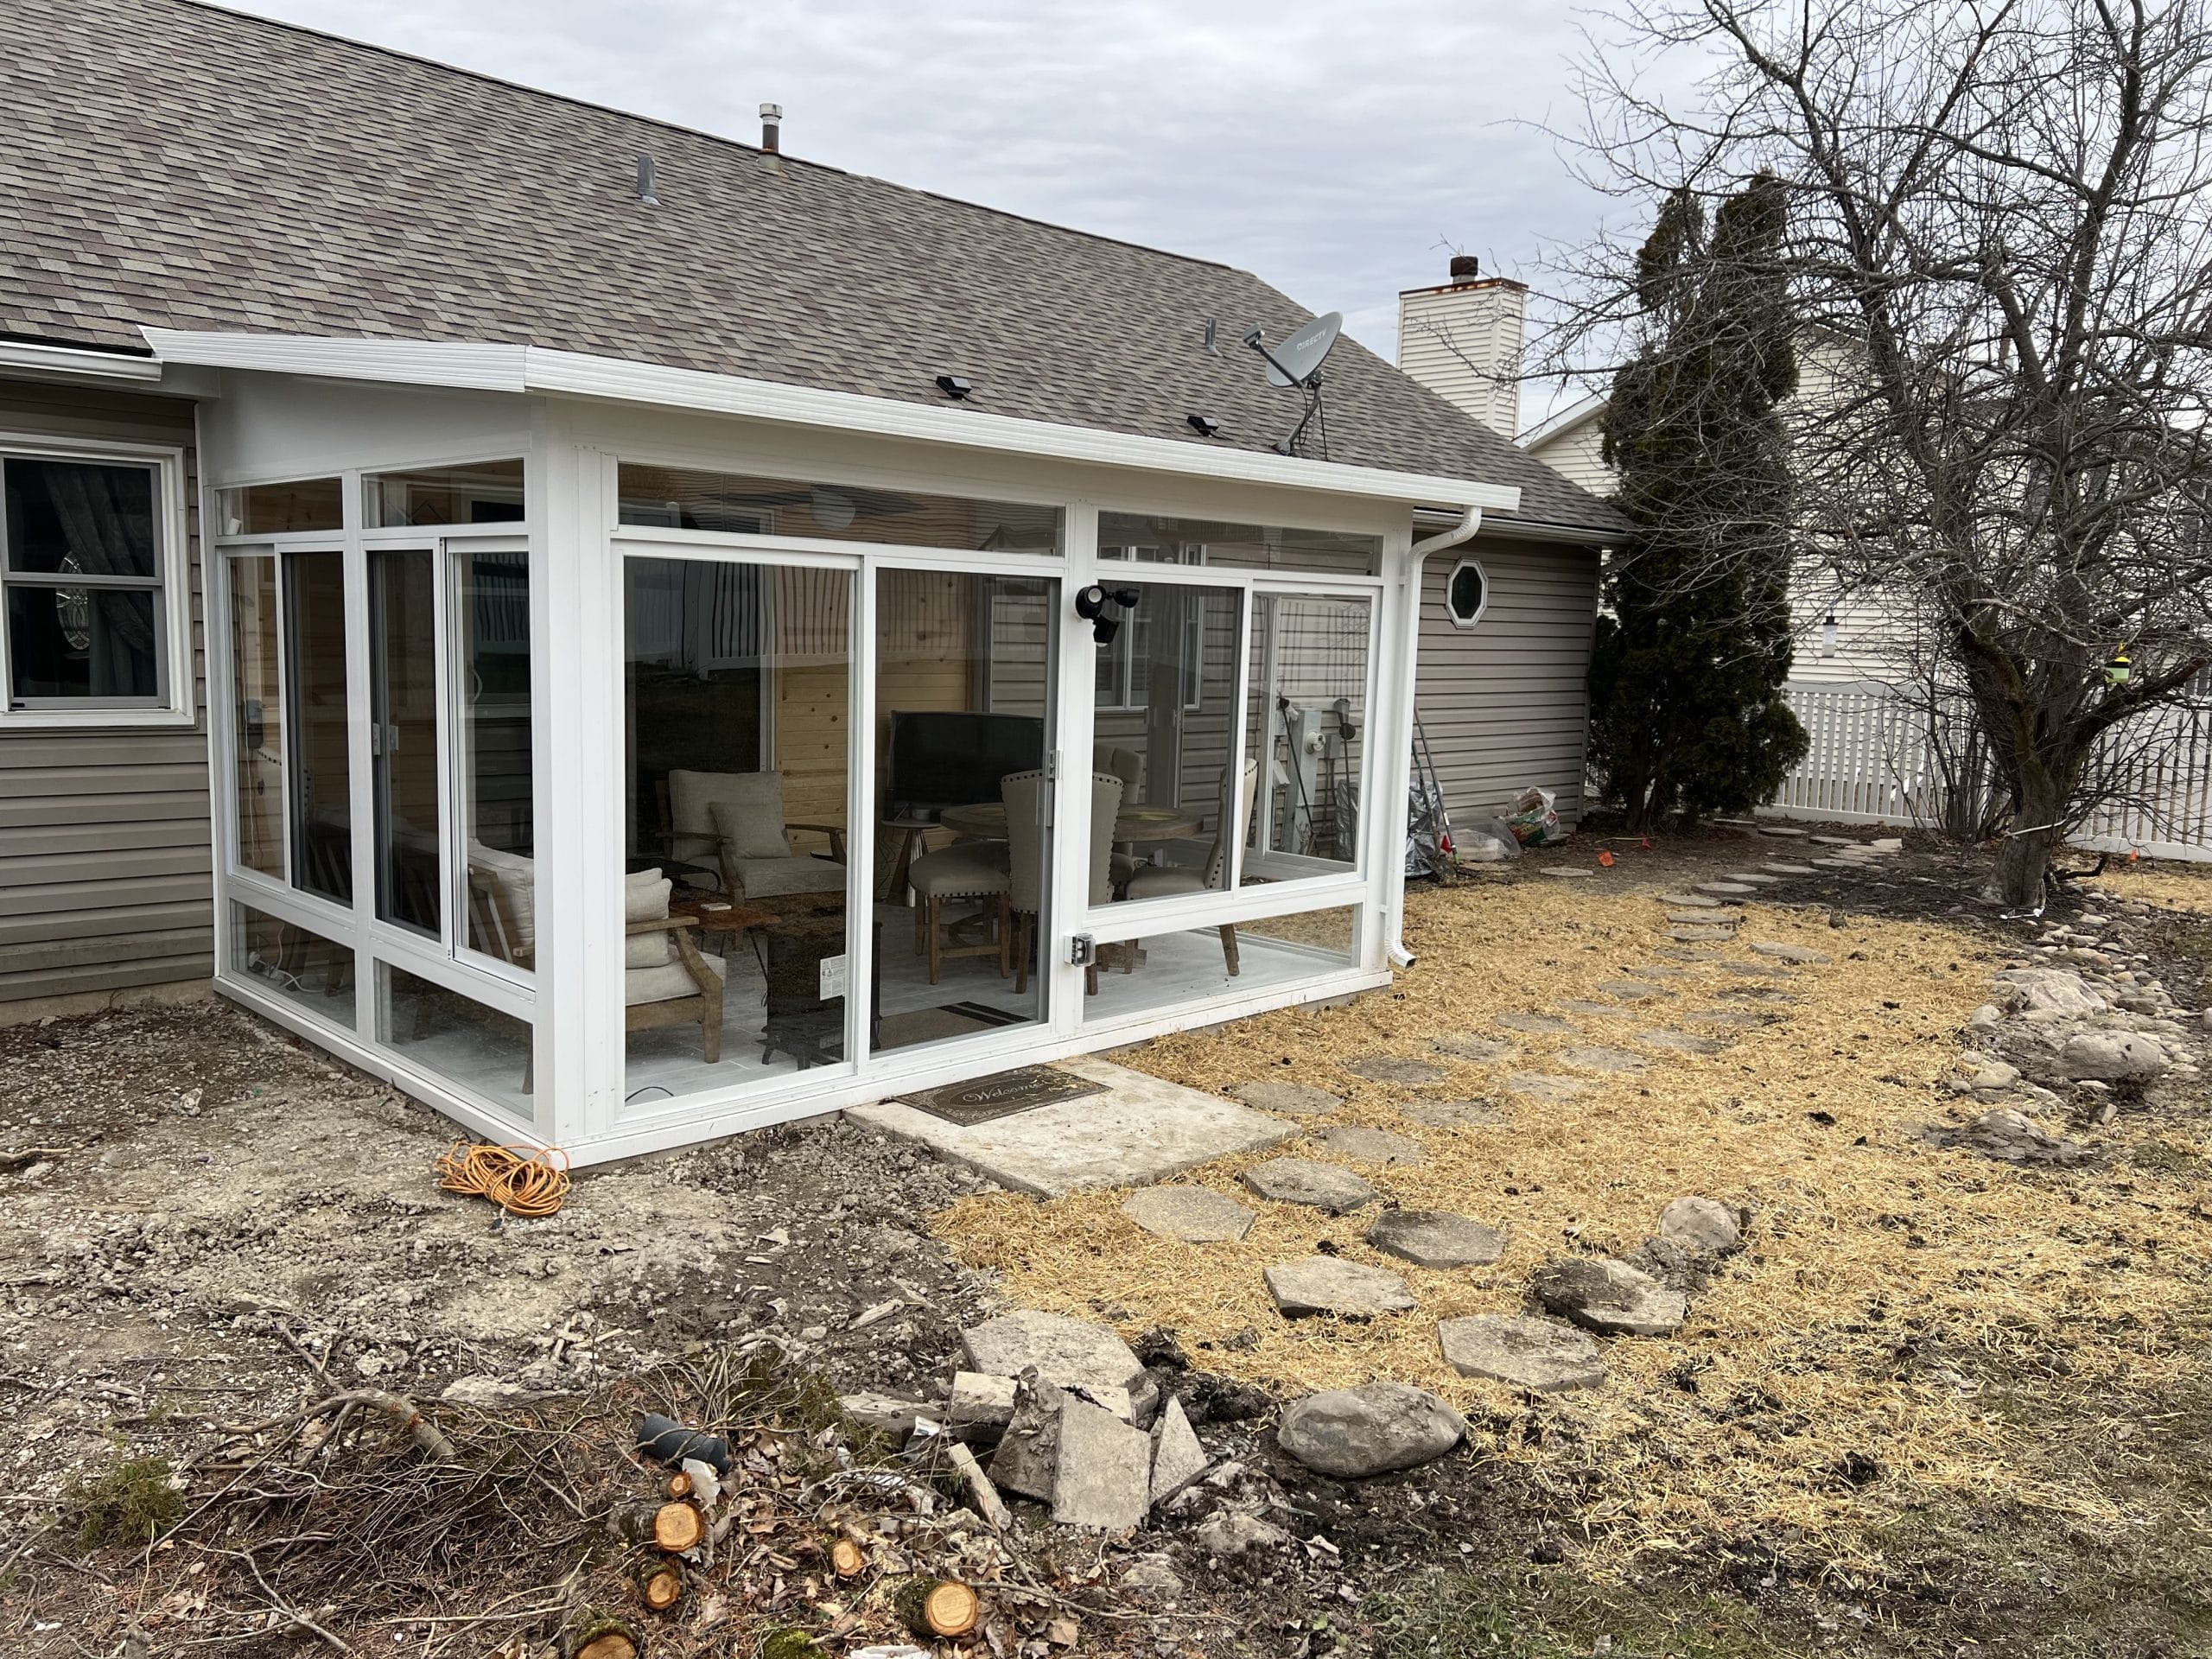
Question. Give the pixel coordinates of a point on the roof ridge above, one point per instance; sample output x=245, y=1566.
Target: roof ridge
x=287, y=26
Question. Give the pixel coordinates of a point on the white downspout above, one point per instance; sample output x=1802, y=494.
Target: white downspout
x=1417, y=557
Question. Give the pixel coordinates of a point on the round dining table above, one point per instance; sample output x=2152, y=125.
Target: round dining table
x=1131, y=823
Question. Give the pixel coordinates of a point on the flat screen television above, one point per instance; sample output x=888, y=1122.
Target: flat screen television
x=943, y=759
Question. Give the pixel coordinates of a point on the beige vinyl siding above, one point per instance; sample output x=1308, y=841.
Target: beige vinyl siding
x=1505, y=705
x=1577, y=455
x=1463, y=342
x=105, y=860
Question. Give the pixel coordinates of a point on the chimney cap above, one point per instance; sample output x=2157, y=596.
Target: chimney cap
x=1466, y=268
x=772, y=112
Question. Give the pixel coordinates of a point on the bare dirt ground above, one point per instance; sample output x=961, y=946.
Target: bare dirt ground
x=204, y=1226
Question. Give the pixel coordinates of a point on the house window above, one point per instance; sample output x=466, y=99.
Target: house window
x=84, y=562
x=1466, y=596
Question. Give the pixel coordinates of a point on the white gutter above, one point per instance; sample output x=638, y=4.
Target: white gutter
x=1394, y=937
x=74, y=363
x=536, y=369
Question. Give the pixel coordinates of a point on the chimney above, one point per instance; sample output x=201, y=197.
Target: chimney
x=1463, y=341
x=771, y=128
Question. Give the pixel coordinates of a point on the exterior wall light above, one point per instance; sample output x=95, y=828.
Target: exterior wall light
x=1828, y=633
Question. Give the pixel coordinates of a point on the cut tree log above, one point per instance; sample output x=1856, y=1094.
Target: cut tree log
x=604, y=1638
x=679, y=1527
x=661, y=1587
x=679, y=1485
x=846, y=1558
x=938, y=1607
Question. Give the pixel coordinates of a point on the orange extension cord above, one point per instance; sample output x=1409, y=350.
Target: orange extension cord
x=521, y=1181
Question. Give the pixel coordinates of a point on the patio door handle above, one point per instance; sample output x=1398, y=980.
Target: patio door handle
x=1047, y=797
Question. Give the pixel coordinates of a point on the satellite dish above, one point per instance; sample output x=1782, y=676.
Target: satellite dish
x=1292, y=362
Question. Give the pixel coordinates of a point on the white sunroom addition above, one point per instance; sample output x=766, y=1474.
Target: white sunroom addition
x=613, y=774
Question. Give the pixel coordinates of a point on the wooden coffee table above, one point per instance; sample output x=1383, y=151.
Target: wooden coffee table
x=722, y=921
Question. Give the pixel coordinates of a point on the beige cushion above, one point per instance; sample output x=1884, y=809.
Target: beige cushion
x=755, y=803
x=514, y=877
x=1157, y=882
x=645, y=899
x=765, y=878
x=968, y=869
x=666, y=983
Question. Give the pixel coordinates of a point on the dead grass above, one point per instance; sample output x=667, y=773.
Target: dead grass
x=2172, y=887
x=1884, y=1279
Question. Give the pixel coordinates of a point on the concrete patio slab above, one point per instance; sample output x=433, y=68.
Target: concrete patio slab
x=1141, y=1129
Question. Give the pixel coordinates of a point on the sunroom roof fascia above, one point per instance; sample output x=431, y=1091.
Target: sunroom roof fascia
x=538, y=368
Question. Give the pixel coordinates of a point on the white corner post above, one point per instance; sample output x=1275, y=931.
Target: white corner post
x=1396, y=771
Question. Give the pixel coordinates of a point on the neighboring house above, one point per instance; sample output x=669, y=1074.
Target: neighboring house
x=524, y=594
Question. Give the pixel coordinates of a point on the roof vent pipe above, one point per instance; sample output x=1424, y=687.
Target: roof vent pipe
x=645, y=182
x=1466, y=268
x=771, y=128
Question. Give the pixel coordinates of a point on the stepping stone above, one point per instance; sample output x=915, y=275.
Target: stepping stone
x=1301, y=1180
x=1781, y=833
x=1435, y=1238
x=1467, y=1045
x=1701, y=935
x=1682, y=1042
x=1329, y=1284
x=1542, y=1086
x=1541, y=1022
x=1595, y=1056
x=1660, y=971
x=1704, y=918
x=1886, y=844
x=1772, y=868
x=1067, y=1353
x=1630, y=990
x=1698, y=956
x=1389, y=1068
x=1692, y=900
x=1754, y=878
x=1761, y=994
x=1730, y=889
x=1755, y=970
x=1836, y=840
x=1298, y=1099
x=1582, y=1005
x=1196, y=1215
x=1363, y=1145
x=1840, y=863
x=1703, y=1226
x=1474, y=1114
x=1734, y=1017
x=1566, y=870
x=1610, y=1298
x=1545, y=1355
x=1786, y=952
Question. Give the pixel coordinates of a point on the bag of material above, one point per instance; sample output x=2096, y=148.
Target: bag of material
x=1534, y=818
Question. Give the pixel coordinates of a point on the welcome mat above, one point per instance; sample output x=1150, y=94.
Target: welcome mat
x=981, y=1099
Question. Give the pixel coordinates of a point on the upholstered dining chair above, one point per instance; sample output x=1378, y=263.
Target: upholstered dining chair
x=1158, y=881
x=969, y=870
x=1025, y=840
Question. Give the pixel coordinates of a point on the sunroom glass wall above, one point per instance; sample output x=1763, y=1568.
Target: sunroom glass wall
x=1305, y=724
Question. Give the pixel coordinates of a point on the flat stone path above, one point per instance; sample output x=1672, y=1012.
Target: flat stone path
x=1596, y=1056
x=1706, y=918
x=1195, y=1215
x=1682, y=1042
x=1581, y=1005
x=1546, y=1355
x=1298, y=1099
x=1328, y=1284
x=1772, y=868
x=1472, y=1113
x=1630, y=990
x=1392, y=1068
x=1781, y=953
x=1317, y=1186
x=1517, y=1020
x=1363, y=1145
x=1435, y=1238
x=1726, y=889
x=1754, y=878
x=1467, y=1046
x=1693, y=900
x=1543, y=1085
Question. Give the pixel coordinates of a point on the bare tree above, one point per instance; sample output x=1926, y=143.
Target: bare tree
x=2001, y=230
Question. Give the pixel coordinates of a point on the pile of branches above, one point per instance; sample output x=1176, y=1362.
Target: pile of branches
x=547, y=1531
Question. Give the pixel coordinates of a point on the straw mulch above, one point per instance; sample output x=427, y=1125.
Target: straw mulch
x=2174, y=887
x=1886, y=1279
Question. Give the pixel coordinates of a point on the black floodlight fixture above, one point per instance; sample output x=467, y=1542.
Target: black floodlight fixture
x=954, y=387
x=1093, y=603
x=1204, y=425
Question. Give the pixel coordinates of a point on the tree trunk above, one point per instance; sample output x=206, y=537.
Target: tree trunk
x=2039, y=804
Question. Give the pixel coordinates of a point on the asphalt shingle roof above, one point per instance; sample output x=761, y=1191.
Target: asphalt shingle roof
x=175, y=165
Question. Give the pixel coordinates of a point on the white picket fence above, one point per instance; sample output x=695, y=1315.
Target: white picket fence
x=1870, y=762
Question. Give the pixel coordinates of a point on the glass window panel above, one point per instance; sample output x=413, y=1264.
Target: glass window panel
x=323, y=786
x=74, y=518
x=1192, y=965
x=82, y=643
x=449, y=1035
x=1163, y=724
x=258, y=720
x=1143, y=536
x=1306, y=718
x=298, y=964
x=493, y=607
x=738, y=728
x=962, y=721
x=675, y=498
x=404, y=694
x=485, y=493
x=276, y=509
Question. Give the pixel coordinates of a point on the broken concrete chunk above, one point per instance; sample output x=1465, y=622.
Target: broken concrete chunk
x=887, y=1412
x=1301, y=1180
x=1351, y=1433
x=1391, y=1068
x=1527, y=1352
x=1029, y=1450
x=1229, y=1532
x=1703, y=1226
x=1101, y=1471
x=980, y=1405
x=2112, y=1057
x=1328, y=1284
x=1610, y=1298
x=1063, y=1350
x=1435, y=1238
x=1195, y=1215
x=1781, y=952
x=1177, y=1457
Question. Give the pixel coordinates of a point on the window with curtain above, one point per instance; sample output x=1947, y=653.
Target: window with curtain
x=82, y=566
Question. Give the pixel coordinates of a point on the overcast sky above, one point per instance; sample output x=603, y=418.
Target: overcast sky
x=1341, y=151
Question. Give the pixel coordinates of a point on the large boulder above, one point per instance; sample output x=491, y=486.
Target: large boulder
x=2112, y=1057
x=2048, y=991
x=1702, y=1226
x=1351, y=1433
x=1610, y=1298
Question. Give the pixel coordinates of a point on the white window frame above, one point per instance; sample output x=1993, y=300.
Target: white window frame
x=1452, y=580
x=175, y=667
